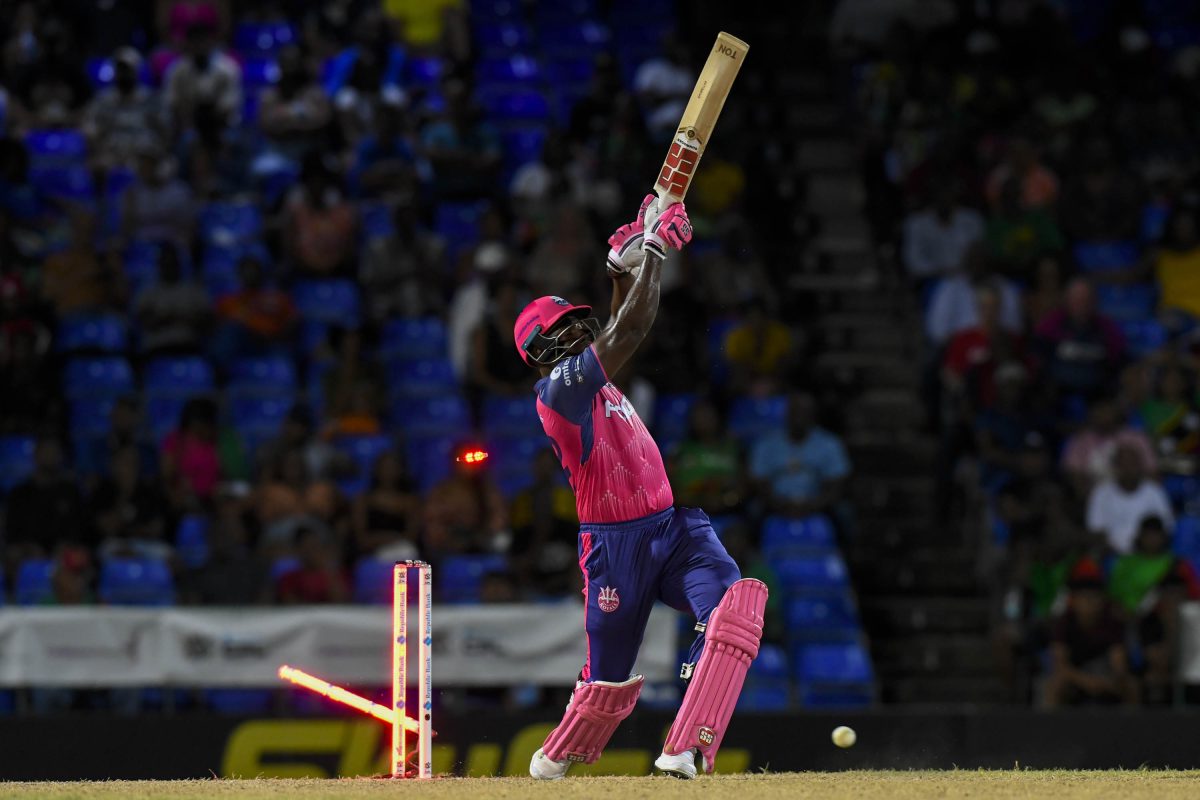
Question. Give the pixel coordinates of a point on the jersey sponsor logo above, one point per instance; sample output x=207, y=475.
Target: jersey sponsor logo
x=608, y=600
x=624, y=410
x=555, y=373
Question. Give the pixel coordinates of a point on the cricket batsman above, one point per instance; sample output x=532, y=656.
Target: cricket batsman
x=635, y=545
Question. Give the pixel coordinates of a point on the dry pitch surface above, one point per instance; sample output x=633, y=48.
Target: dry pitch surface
x=1059, y=785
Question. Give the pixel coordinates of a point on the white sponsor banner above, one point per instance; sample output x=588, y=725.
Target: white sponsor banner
x=472, y=645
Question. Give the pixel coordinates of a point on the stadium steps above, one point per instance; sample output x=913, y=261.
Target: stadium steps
x=897, y=568
x=907, y=616
x=943, y=690
x=967, y=656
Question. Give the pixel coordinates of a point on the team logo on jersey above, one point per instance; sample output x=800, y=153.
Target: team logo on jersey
x=608, y=600
x=624, y=410
x=706, y=735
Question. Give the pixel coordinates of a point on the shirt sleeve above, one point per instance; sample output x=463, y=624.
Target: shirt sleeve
x=572, y=385
x=836, y=464
x=762, y=459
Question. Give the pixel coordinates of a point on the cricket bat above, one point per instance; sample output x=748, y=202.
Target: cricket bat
x=699, y=118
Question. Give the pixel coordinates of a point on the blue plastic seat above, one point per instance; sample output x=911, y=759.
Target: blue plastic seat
x=1106, y=256
x=227, y=224
x=107, y=376
x=1187, y=537
x=495, y=9
x=672, y=417
x=56, y=147
x=259, y=72
x=782, y=535
x=773, y=695
x=812, y=575
x=458, y=223
x=566, y=11
x=431, y=458
x=264, y=38
x=1183, y=490
x=220, y=266
x=511, y=461
x=517, y=105
x=843, y=696
x=425, y=70
x=373, y=581
x=445, y=415
x=375, y=220
x=335, y=302
x=426, y=378
x=570, y=71
x=752, y=417
x=192, y=540
x=136, y=582
x=523, y=144
x=282, y=566
x=503, y=37
x=35, y=582
x=1144, y=336
x=364, y=451
x=91, y=417
x=16, y=460
x=823, y=619
x=162, y=414
x=770, y=664
x=269, y=376
x=141, y=265
x=65, y=182
x=508, y=70
x=182, y=376
x=574, y=39
x=259, y=418
x=846, y=663
x=1126, y=303
x=459, y=577
x=411, y=339
x=507, y=417
x=92, y=333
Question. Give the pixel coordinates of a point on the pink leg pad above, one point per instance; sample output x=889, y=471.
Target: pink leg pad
x=595, y=711
x=730, y=644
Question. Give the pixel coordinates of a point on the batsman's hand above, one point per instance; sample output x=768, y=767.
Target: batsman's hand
x=626, y=254
x=672, y=229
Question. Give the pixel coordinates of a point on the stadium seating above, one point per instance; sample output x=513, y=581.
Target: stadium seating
x=192, y=541
x=672, y=418
x=822, y=619
x=16, y=460
x=226, y=224
x=507, y=417
x=136, y=582
x=178, y=377
x=109, y=376
x=434, y=455
x=445, y=415
x=259, y=419
x=373, y=581
x=511, y=459
x=162, y=414
x=432, y=377
x=271, y=376
x=333, y=302
x=55, y=147
x=1187, y=538
x=364, y=451
x=812, y=575
x=834, y=675
x=785, y=535
x=498, y=38
x=1127, y=303
x=1144, y=336
x=92, y=333
x=459, y=577
x=264, y=38
x=35, y=582
x=752, y=417
x=91, y=417
x=413, y=339
x=1106, y=256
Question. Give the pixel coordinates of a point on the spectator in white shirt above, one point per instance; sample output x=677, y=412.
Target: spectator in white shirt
x=1117, y=507
x=937, y=238
x=663, y=86
x=952, y=308
x=204, y=76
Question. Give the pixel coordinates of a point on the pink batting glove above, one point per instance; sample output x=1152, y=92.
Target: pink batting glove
x=672, y=229
x=626, y=251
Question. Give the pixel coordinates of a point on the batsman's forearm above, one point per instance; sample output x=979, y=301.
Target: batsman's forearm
x=636, y=315
x=621, y=285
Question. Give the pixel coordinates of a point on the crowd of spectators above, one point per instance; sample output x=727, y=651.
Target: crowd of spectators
x=1032, y=165
x=259, y=264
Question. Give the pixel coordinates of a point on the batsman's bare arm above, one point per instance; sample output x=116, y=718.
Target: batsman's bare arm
x=621, y=285
x=633, y=316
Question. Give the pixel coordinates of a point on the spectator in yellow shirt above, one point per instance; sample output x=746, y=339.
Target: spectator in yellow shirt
x=1177, y=265
x=760, y=350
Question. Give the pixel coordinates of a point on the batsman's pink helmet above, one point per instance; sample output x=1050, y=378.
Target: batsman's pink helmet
x=540, y=316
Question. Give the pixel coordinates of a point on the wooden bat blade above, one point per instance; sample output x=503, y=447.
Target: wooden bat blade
x=700, y=117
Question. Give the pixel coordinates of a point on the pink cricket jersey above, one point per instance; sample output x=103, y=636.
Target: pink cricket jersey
x=610, y=458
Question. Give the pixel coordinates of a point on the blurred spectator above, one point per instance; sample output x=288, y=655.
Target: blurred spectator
x=320, y=577
x=401, y=273
x=760, y=351
x=1136, y=574
x=352, y=387
x=289, y=500
x=591, y=116
x=465, y=512
x=952, y=307
x=492, y=368
x=1087, y=457
x=706, y=468
x=1037, y=186
x=123, y=434
x=1177, y=268
x=936, y=238
x=294, y=112
x=176, y=18
x=1171, y=419
x=72, y=578
x=1004, y=429
x=174, y=313
x=126, y=118
x=498, y=587
x=157, y=206
x=1081, y=348
x=971, y=358
x=45, y=510
x=191, y=464
x=468, y=306
x=1034, y=506
x=373, y=59
x=544, y=526
x=52, y=85
x=130, y=512
x=256, y=319
x=234, y=573
x=1019, y=235
x=322, y=460
x=804, y=470
x=384, y=162
x=1101, y=202
x=1089, y=661
x=565, y=253
x=387, y=517
x=663, y=85
x=220, y=162
x=464, y=149
x=1117, y=506
x=1158, y=631
x=320, y=225
x=31, y=388
x=75, y=280
x=203, y=77
x=1045, y=293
